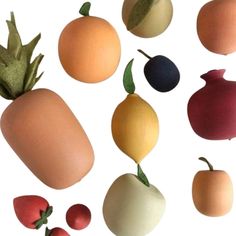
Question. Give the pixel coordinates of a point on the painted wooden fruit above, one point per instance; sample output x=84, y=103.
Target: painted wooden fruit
x=38, y=125
x=89, y=48
x=147, y=18
x=212, y=191
x=216, y=26
x=212, y=109
x=161, y=73
x=135, y=125
x=131, y=208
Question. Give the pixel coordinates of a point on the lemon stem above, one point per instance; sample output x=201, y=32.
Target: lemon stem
x=142, y=177
x=144, y=53
x=208, y=163
x=84, y=10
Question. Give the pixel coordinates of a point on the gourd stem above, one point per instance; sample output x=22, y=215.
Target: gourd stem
x=208, y=163
x=145, y=54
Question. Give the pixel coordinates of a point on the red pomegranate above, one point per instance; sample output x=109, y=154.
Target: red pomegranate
x=212, y=109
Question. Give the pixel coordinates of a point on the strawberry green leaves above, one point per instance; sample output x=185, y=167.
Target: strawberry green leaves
x=44, y=217
x=17, y=74
x=138, y=13
x=128, y=78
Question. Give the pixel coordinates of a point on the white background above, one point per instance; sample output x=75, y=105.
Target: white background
x=170, y=166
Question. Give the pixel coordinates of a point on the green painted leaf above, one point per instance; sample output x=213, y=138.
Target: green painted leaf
x=14, y=41
x=128, y=78
x=29, y=48
x=142, y=177
x=138, y=13
x=84, y=10
x=30, y=79
x=44, y=217
x=17, y=74
x=6, y=58
x=3, y=64
x=7, y=88
x=49, y=211
x=4, y=93
x=38, y=78
x=47, y=231
x=13, y=19
x=13, y=73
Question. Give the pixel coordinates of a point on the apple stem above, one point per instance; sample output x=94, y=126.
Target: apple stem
x=208, y=163
x=142, y=177
x=144, y=53
x=84, y=10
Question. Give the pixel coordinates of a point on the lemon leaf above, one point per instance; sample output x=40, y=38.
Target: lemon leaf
x=128, y=78
x=138, y=13
x=84, y=10
x=142, y=177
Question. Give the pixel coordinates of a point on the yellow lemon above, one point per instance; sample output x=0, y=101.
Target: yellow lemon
x=135, y=127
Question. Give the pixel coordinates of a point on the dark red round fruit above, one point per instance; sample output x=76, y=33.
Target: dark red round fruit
x=212, y=109
x=56, y=232
x=78, y=216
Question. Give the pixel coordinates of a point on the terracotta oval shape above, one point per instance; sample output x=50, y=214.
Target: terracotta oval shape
x=212, y=192
x=44, y=133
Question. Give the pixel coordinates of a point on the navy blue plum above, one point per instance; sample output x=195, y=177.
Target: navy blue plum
x=161, y=73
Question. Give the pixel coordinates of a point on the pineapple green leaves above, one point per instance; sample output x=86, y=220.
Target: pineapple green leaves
x=18, y=74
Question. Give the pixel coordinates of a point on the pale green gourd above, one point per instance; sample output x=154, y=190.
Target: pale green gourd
x=147, y=18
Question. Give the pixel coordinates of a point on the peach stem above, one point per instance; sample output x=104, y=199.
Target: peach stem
x=208, y=163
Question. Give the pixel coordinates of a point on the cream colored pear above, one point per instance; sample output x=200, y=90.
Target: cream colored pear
x=147, y=18
x=131, y=208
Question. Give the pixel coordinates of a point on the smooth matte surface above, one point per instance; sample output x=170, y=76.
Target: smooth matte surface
x=170, y=166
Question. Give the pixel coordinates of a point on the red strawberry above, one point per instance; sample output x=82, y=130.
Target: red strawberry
x=32, y=211
x=56, y=232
